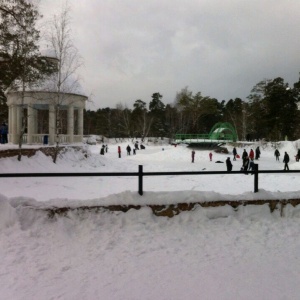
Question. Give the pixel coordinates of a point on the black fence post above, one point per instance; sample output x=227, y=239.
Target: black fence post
x=141, y=180
x=255, y=178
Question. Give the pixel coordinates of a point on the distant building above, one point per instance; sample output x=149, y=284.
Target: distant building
x=41, y=107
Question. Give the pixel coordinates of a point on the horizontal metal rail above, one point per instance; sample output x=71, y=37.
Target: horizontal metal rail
x=141, y=174
x=68, y=174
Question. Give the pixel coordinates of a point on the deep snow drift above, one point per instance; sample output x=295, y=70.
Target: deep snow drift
x=208, y=253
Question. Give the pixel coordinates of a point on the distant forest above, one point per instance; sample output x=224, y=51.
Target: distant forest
x=270, y=112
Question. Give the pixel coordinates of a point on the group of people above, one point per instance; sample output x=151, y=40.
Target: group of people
x=247, y=159
x=298, y=155
x=248, y=162
x=103, y=149
x=286, y=158
x=193, y=156
x=128, y=149
x=245, y=154
x=4, y=133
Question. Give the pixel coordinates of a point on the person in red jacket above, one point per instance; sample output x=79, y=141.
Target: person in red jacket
x=119, y=151
x=251, y=154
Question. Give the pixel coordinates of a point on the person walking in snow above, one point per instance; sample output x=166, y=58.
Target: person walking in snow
x=298, y=155
x=257, y=153
x=246, y=165
x=3, y=133
x=244, y=155
x=286, y=160
x=251, y=154
x=193, y=156
x=228, y=164
x=119, y=151
x=128, y=148
x=251, y=166
x=102, y=150
x=234, y=152
x=210, y=156
x=277, y=154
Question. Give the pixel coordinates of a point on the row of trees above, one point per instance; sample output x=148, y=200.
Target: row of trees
x=270, y=112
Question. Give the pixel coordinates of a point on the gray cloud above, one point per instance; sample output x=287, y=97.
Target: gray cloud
x=221, y=48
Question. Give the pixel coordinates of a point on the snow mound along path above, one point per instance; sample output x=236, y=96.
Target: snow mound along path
x=29, y=210
x=8, y=215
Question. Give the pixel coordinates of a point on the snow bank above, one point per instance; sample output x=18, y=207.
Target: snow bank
x=8, y=215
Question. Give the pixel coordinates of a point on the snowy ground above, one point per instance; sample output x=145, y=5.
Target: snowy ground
x=213, y=253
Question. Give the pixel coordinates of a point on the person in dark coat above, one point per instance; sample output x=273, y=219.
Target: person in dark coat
x=298, y=155
x=244, y=155
x=257, y=153
x=102, y=150
x=119, y=151
x=136, y=145
x=106, y=148
x=286, y=160
x=246, y=165
x=128, y=148
x=228, y=164
x=277, y=154
x=4, y=132
x=234, y=152
x=193, y=156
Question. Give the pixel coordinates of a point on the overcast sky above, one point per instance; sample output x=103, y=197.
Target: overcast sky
x=221, y=48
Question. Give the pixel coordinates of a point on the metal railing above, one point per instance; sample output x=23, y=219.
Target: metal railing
x=196, y=138
x=39, y=138
x=141, y=174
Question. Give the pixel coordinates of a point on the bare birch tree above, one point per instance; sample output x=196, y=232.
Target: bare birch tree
x=66, y=81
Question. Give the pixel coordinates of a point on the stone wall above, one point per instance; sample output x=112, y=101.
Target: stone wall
x=175, y=209
x=49, y=151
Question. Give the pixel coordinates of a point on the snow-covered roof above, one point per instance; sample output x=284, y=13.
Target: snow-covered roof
x=48, y=53
x=71, y=85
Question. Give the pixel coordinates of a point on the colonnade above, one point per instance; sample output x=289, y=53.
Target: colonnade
x=31, y=136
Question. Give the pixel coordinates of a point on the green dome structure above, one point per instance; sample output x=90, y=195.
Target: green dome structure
x=220, y=132
x=223, y=131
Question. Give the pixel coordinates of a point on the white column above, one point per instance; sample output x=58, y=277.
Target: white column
x=35, y=121
x=14, y=138
x=70, y=123
x=19, y=122
x=80, y=122
x=52, y=121
x=30, y=124
x=10, y=118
